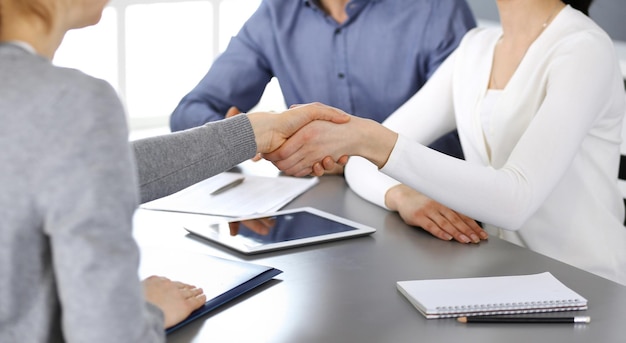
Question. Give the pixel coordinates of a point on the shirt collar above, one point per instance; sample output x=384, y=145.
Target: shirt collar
x=23, y=45
x=353, y=7
x=316, y=2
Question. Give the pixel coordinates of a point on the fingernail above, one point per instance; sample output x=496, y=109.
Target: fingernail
x=475, y=238
x=465, y=239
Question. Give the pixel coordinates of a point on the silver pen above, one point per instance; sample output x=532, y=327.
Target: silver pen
x=228, y=186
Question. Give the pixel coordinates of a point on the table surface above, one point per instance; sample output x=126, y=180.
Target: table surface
x=345, y=291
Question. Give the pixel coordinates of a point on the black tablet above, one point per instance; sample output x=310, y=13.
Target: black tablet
x=279, y=230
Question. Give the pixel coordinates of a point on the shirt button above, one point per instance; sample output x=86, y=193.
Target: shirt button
x=337, y=31
x=341, y=75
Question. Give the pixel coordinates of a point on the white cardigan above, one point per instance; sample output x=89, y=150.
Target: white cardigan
x=551, y=180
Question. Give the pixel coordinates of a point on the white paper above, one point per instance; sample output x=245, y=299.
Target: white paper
x=256, y=194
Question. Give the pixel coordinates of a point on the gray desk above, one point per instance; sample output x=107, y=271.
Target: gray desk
x=345, y=291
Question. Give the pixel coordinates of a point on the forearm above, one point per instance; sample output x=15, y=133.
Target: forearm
x=169, y=163
x=365, y=180
x=237, y=77
x=468, y=188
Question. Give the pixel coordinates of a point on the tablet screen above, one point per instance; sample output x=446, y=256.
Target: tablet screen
x=280, y=230
x=286, y=227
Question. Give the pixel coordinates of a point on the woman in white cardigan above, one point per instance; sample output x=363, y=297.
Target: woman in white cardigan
x=538, y=105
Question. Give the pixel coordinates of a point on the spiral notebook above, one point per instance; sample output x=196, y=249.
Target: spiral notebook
x=444, y=298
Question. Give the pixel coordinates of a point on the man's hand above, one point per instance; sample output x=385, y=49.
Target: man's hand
x=233, y=111
x=328, y=166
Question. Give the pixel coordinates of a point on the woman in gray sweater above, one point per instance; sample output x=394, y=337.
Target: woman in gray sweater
x=69, y=184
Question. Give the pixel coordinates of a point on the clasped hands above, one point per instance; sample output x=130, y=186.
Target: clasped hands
x=315, y=138
x=306, y=139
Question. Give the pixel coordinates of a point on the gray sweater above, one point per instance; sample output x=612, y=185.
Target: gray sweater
x=68, y=191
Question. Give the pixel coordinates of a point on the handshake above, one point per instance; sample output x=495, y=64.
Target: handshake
x=315, y=138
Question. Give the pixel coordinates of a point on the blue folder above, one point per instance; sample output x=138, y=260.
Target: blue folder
x=222, y=280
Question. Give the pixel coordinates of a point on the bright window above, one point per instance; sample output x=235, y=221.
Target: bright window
x=155, y=51
x=168, y=49
x=93, y=50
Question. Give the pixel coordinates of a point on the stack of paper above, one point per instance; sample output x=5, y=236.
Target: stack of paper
x=256, y=194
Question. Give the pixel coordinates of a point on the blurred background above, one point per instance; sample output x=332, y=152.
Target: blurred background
x=154, y=51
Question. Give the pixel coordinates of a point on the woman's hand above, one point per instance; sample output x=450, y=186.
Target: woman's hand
x=271, y=130
x=176, y=299
x=319, y=140
x=417, y=209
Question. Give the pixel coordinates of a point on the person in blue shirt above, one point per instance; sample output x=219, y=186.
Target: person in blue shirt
x=366, y=57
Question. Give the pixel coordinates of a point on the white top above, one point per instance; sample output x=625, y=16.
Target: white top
x=555, y=136
x=486, y=114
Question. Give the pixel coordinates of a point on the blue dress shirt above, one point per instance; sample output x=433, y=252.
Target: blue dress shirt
x=367, y=66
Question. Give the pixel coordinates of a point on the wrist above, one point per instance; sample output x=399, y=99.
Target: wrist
x=393, y=197
x=377, y=142
x=262, y=131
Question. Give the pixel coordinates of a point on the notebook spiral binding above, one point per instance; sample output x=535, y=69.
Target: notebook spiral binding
x=511, y=308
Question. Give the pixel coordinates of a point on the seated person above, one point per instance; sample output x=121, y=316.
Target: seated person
x=541, y=138
x=70, y=186
x=364, y=57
